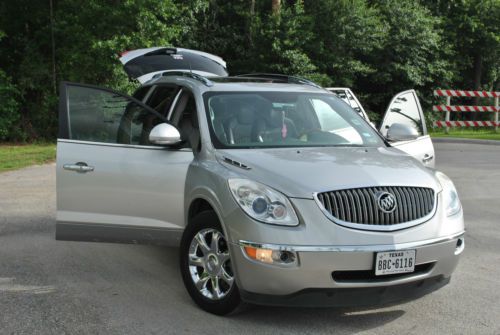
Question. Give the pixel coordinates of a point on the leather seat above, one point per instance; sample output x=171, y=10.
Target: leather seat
x=188, y=125
x=241, y=128
x=274, y=126
x=220, y=116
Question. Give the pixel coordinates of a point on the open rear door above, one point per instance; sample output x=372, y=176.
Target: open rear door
x=405, y=109
x=143, y=64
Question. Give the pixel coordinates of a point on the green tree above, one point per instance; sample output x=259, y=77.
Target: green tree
x=89, y=35
x=413, y=53
x=472, y=29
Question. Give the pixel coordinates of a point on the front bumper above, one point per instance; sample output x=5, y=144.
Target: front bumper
x=350, y=297
x=311, y=281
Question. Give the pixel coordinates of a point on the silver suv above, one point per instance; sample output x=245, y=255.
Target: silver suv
x=276, y=190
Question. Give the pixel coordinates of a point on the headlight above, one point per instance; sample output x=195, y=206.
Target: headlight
x=263, y=203
x=450, y=195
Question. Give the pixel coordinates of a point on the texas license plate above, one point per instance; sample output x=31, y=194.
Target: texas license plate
x=391, y=262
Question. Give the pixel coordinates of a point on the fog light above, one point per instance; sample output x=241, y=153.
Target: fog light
x=270, y=256
x=460, y=246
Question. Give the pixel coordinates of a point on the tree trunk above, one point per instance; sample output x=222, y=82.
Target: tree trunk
x=250, y=23
x=53, y=45
x=276, y=5
x=478, y=65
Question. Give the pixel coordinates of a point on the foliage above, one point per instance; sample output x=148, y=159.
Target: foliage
x=472, y=28
x=9, y=115
x=376, y=47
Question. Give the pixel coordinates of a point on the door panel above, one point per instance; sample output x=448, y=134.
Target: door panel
x=128, y=190
x=422, y=149
x=405, y=108
x=129, y=186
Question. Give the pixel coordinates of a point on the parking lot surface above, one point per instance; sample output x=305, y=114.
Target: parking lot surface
x=54, y=287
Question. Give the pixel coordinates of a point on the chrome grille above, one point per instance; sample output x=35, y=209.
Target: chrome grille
x=359, y=205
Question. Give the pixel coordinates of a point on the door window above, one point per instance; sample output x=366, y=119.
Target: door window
x=403, y=109
x=185, y=118
x=162, y=97
x=99, y=115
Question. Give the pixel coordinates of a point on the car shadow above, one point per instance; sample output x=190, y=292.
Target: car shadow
x=312, y=320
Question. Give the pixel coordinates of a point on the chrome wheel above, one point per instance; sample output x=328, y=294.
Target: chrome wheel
x=209, y=264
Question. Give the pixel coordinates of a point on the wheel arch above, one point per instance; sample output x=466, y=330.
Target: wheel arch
x=200, y=202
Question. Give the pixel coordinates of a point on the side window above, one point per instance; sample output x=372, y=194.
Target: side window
x=162, y=97
x=141, y=92
x=403, y=109
x=185, y=118
x=98, y=115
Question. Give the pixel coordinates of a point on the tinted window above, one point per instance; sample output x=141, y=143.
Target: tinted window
x=141, y=92
x=162, y=97
x=101, y=116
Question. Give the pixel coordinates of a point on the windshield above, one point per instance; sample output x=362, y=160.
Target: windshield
x=285, y=119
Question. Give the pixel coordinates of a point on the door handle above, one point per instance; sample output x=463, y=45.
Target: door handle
x=427, y=158
x=80, y=167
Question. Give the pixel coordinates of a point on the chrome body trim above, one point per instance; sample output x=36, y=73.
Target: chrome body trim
x=350, y=248
x=371, y=227
x=150, y=147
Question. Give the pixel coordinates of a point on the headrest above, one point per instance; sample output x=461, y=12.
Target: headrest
x=275, y=118
x=246, y=114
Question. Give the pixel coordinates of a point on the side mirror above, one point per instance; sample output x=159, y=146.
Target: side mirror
x=164, y=134
x=401, y=132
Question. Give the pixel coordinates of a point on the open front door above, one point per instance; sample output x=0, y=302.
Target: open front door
x=112, y=183
x=405, y=109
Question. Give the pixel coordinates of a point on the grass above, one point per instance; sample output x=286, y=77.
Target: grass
x=482, y=134
x=17, y=156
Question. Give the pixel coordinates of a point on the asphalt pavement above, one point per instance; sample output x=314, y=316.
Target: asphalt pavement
x=54, y=287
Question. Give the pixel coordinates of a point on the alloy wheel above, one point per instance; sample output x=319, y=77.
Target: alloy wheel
x=210, y=264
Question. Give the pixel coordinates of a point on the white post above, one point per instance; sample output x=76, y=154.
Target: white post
x=448, y=103
x=496, y=114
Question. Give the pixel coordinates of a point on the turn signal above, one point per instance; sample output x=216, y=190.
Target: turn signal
x=262, y=255
x=270, y=256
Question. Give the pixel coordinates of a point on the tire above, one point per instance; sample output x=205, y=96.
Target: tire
x=209, y=265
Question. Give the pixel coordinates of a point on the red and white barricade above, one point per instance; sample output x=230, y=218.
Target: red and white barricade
x=459, y=93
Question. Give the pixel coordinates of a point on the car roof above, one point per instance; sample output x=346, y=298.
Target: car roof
x=239, y=83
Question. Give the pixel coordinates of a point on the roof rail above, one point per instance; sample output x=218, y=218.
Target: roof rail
x=282, y=77
x=193, y=75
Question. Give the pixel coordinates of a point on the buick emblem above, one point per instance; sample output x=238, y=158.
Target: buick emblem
x=386, y=202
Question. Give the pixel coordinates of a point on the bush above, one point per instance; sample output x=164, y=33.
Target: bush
x=9, y=109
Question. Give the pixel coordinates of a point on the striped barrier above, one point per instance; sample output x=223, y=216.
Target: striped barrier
x=444, y=108
x=459, y=93
x=445, y=124
x=472, y=94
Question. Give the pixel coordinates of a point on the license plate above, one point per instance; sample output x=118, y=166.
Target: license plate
x=391, y=262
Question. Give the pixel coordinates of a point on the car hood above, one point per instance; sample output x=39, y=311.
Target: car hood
x=301, y=172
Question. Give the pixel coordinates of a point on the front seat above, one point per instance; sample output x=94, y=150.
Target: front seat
x=241, y=128
x=275, y=126
x=189, y=127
